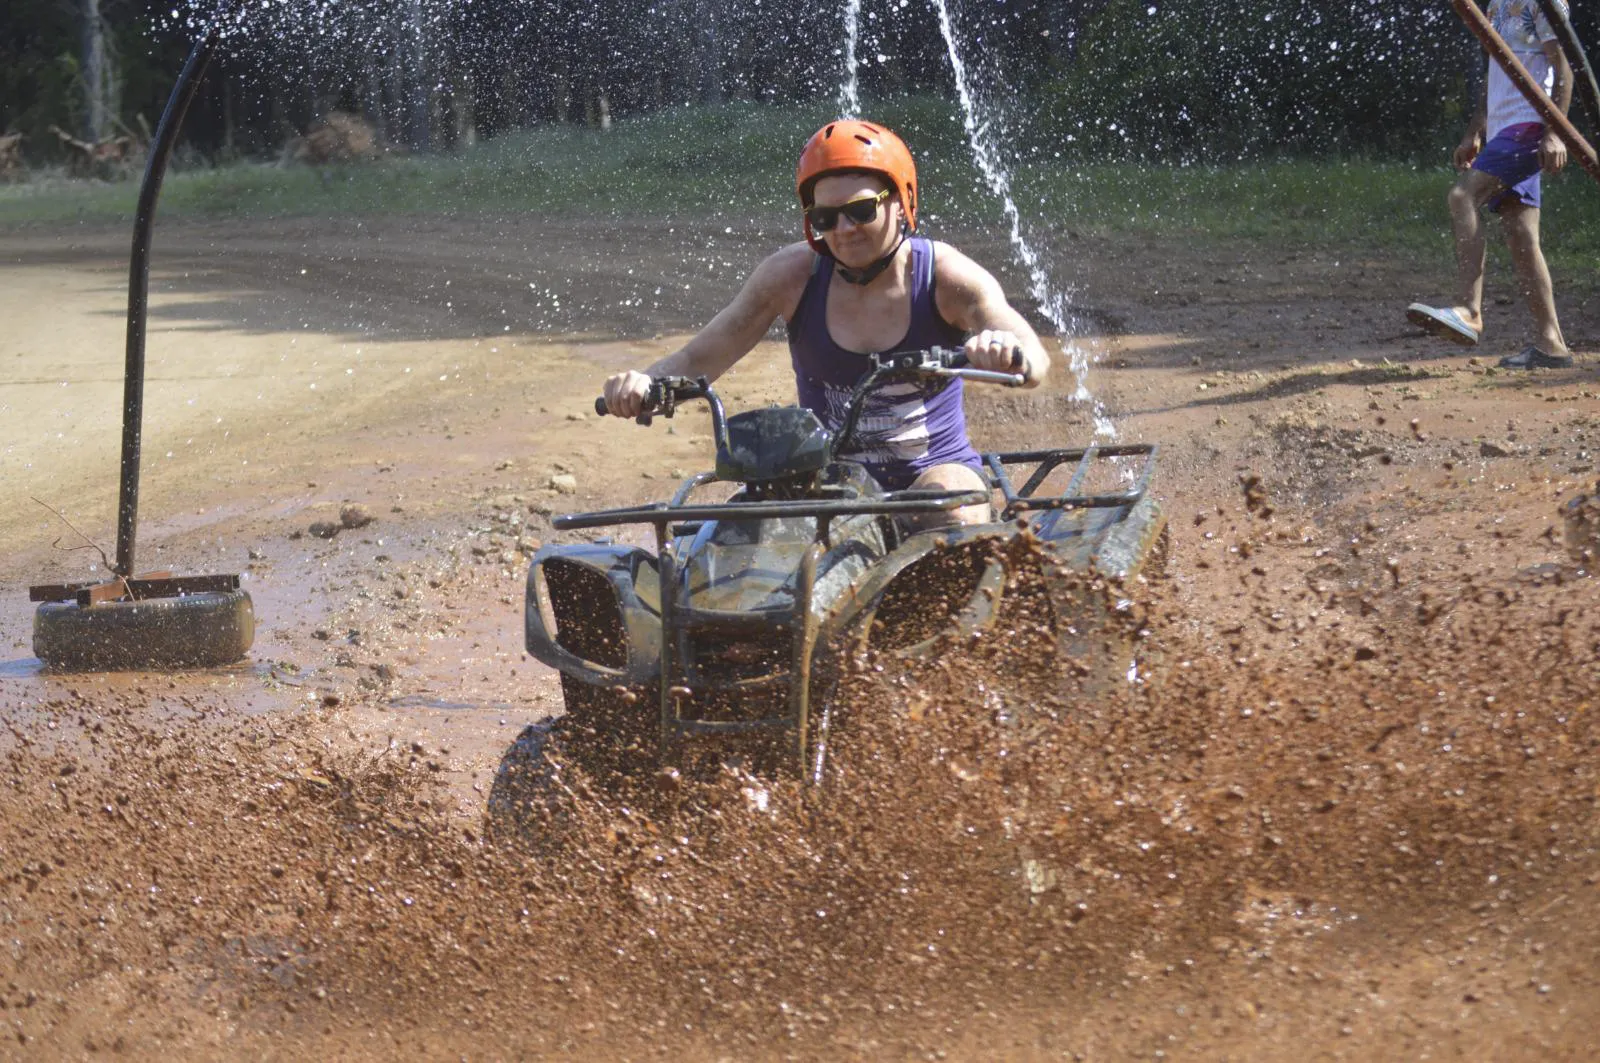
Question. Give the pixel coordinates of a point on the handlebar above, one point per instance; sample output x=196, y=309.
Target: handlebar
x=663, y=397
x=949, y=362
x=667, y=391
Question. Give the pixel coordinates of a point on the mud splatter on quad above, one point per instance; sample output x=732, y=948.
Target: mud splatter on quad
x=730, y=631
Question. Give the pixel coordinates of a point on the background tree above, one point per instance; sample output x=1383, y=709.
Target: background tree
x=1178, y=80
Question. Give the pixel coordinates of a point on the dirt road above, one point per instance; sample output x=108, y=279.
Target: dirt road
x=1349, y=814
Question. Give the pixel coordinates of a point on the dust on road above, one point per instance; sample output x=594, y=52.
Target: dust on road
x=1349, y=811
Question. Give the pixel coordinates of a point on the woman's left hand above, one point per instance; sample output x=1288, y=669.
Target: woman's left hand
x=997, y=350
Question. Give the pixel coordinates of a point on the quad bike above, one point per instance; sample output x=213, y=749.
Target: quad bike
x=733, y=630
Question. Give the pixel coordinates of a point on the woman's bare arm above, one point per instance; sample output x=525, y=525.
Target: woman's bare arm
x=971, y=299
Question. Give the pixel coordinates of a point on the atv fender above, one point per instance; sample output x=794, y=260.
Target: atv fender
x=605, y=601
x=1119, y=543
x=968, y=584
x=1093, y=588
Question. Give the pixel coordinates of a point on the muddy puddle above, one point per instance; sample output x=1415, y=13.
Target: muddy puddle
x=1182, y=856
x=1344, y=810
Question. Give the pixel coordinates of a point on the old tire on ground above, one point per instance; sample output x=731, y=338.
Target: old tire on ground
x=192, y=631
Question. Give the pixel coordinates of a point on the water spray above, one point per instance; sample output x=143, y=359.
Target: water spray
x=850, y=88
x=1053, y=303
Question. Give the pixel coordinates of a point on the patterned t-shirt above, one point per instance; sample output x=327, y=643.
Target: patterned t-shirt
x=1526, y=30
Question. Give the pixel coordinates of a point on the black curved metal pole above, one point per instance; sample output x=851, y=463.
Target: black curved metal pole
x=1588, y=93
x=139, y=288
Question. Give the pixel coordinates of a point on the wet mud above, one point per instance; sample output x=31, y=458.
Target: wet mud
x=1344, y=808
x=1222, y=835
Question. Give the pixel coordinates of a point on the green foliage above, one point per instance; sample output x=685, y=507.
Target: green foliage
x=41, y=82
x=1199, y=82
x=38, y=69
x=1179, y=80
x=737, y=161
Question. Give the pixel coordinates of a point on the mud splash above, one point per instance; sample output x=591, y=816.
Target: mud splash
x=1014, y=858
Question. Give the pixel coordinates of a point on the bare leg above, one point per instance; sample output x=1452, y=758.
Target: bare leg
x=1466, y=199
x=1521, y=224
x=951, y=478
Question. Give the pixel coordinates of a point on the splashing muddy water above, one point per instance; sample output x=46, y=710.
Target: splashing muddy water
x=1348, y=809
x=1000, y=835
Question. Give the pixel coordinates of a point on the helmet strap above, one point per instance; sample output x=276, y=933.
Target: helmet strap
x=867, y=274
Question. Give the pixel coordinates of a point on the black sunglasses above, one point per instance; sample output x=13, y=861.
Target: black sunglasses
x=862, y=210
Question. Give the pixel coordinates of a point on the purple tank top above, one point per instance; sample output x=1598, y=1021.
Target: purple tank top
x=906, y=427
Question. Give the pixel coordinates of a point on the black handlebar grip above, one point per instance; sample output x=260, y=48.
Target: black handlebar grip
x=955, y=358
x=644, y=418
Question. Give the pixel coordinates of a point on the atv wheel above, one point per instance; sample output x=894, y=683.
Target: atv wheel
x=610, y=733
x=530, y=800
x=596, y=747
x=192, y=631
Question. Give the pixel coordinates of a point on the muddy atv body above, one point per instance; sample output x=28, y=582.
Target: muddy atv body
x=732, y=629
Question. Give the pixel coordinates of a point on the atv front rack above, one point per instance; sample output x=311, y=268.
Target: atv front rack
x=793, y=726
x=899, y=503
x=824, y=508
x=1048, y=461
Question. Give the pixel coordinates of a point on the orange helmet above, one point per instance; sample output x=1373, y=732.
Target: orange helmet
x=849, y=144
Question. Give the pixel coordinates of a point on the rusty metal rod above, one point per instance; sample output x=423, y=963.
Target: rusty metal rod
x=1531, y=90
x=139, y=288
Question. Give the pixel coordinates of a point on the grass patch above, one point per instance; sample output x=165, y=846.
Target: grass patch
x=738, y=159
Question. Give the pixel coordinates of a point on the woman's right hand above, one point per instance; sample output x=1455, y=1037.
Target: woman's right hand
x=625, y=393
x=1468, y=150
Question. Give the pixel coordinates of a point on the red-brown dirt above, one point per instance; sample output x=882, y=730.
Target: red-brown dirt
x=1348, y=812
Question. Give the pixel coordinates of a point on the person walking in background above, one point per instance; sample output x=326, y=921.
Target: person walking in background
x=1501, y=157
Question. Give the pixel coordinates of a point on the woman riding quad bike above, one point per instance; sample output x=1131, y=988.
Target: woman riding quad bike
x=730, y=634
x=862, y=518
x=858, y=191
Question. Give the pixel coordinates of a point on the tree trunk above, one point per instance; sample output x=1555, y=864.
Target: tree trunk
x=419, y=84
x=228, y=147
x=708, y=49
x=560, y=90
x=99, y=79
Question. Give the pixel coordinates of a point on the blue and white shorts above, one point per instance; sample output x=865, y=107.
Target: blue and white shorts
x=1512, y=157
